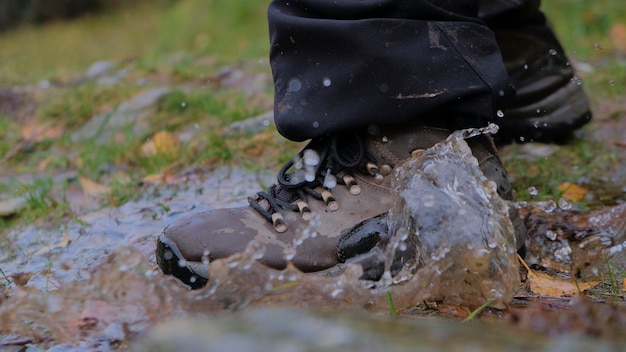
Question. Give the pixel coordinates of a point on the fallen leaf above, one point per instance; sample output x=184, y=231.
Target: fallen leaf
x=62, y=244
x=618, y=37
x=39, y=132
x=546, y=285
x=571, y=191
x=162, y=143
x=93, y=188
x=153, y=179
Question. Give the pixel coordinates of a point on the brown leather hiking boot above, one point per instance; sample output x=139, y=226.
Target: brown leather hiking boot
x=550, y=102
x=336, y=185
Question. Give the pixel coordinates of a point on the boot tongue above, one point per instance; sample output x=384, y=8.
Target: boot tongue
x=393, y=144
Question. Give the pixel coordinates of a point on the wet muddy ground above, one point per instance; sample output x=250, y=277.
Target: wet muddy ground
x=91, y=283
x=94, y=284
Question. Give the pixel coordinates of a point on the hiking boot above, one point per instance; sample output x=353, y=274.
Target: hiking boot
x=337, y=185
x=550, y=102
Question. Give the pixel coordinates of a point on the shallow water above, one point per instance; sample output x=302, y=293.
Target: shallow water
x=54, y=256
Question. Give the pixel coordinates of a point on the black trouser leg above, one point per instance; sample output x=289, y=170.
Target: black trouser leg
x=348, y=64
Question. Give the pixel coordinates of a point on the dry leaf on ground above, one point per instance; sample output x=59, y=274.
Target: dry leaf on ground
x=92, y=188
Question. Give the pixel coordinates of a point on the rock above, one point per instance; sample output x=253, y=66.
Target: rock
x=133, y=112
x=252, y=125
x=12, y=206
x=99, y=68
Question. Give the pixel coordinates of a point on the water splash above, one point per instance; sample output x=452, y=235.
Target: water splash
x=451, y=213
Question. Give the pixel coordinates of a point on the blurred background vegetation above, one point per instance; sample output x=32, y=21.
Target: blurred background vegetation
x=191, y=46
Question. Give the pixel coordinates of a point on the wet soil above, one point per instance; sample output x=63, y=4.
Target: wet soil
x=93, y=284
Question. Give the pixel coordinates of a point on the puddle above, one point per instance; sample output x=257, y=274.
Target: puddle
x=52, y=257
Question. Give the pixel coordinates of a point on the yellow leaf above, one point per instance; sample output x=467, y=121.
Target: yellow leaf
x=93, y=188
x=162, y=143
x=544, y=284
x=38, y=133
x=571, y=191
x=617, y=34
x=63, y=243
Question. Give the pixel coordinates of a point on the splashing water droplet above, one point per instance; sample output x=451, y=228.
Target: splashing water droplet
x=564, y=204
x=533, y=191
x=548, y=206
x=311, y=158
x=289, y=253
x=576, y=80
x=330, y=181
x=428, y=200
x=309, y=175
x=551, y=235
x=612, y=83
x=552, y=52
x=500, y=113
x=294, y=85
x=168, y=255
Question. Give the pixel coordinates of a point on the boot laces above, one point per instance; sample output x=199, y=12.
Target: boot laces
x=314, y=172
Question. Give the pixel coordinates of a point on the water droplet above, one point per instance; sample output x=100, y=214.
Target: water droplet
x=501, y=93
x=326, y=82
x=525, y=66
x=289, y=253
x=330, y=181
x=168, y=255
x=192, y=279
x=311, y=158
x=385, y=139
x=383, y=87
x=294, y=85
x=316, y=124
x=552, y=52
x=428, y=200
x=612, y=83
x=548, y=206
x=309, y=175
x=576, y=80
x=563, y=253
x=564, y=204
x=551, y=235
x=500, y=113
x=533, y=191
x=182, y=263
x=536, y=123
x=183, y=104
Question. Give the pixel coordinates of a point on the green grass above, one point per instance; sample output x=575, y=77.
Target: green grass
x=584, y=28
x=178, y=44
